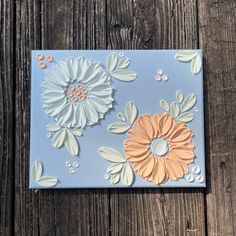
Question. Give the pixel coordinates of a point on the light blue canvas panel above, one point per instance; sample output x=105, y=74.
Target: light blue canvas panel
x=64, y=146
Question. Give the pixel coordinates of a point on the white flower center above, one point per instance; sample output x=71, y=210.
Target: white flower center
x=159, y=147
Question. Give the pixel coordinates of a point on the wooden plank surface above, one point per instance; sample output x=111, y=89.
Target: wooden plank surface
x=7, y=134
x=217, y=27
x=118, y=24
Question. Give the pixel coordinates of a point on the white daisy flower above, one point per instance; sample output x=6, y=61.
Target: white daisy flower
x=76, y=92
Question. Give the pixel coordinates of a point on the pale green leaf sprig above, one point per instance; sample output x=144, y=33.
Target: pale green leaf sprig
x=120, y=169
x=39, y=178
x=180, y=109
x=190, y=56
x=65, y=137
x=125, y=120
x=117, y=68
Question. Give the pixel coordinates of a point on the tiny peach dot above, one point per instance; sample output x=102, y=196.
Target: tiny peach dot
x=77, y=92
x=79, y=86
x=49, y=58
x=84, y=90
x=39, y=57
x=82, y=97
x=70, y=94
x=72, y=88
x=42, y=65
x=75, y=99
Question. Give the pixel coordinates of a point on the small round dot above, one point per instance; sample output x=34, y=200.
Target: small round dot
x=42, y=65
x=190, y=178
x=160, y=72
x=49, y=135
x=121, y=54
x=72, y=170
x=74, y=99
x=72, y=88
x=196, y=170
x=195, y=109
x=70, y=94
x=165, y=77
x=79, y=86
x=39, y=57
x=82, y=97
x=158, y=78
x=200, y=179
x=75, y=164
x=77, y=92
x=84, y=90
x=49, y=58
x=68, y=164
x=106, y=176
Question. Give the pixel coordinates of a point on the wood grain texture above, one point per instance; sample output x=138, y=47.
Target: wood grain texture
x=217, y=26
x=118, y=24
x=155, y=25
x=7, y=134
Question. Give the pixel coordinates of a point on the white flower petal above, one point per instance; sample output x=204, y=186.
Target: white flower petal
x=66, y=114
x=73, y=68
x=80, y=116
x=91, y=113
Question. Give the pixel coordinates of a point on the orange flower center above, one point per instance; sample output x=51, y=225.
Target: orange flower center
x=76, y=92
x=159, y=147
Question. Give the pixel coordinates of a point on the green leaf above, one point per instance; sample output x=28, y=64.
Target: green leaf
x=185, y=117
x=174, y=109
x=196, y=65
x=185, y=55
x=115, y=179
x=77, y=132
x=47, y=181
x=59, y=138
x=124, y=63
x=118, y=127
x=111, y=154
x=179, y=96
x=131, y=112
x=71, y=143
x=37, y=170
x=164, y=105
x=53, y=127
x=111, y=61
x=124, y=75
x=115, y=168
x=188, y=102
x=127, y=175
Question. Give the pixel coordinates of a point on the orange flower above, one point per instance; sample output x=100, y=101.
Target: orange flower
x=159, y=148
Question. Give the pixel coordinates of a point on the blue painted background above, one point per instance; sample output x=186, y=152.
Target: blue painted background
x=145, y=91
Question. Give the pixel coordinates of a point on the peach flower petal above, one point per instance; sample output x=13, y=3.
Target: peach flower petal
x=139, y=136
x=137, y=158
x=174, y=169
x=165, y=124
x=175, y=127
x=159, y=172
x=147, y=166
x=143, y=123
x=181, y=135
x=155, y=126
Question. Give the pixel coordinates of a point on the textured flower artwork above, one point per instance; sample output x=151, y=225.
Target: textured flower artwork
x=159, y=147
x=114, y=119
x=78, y=92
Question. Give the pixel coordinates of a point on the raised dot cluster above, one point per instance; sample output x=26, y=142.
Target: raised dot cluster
x=72, y=166
x=77, y=92
x=161, y=76
x=195, y=175
x=43, y=60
